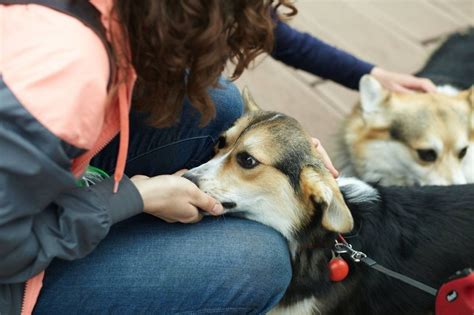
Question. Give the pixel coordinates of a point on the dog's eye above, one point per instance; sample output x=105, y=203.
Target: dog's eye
x=427, y=155
x=221, y=142
x=246, y=160
x=462, y=153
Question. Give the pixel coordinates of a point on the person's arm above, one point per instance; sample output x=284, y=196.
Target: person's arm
x=304, y=51
x=43, y=215
x=53, y=90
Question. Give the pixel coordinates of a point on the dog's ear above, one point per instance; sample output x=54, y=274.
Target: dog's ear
x=249, y=102
x=321, y=192
x=372, y=95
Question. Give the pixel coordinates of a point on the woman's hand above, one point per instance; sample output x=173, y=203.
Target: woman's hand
x=400, y=82
x=174, y=198
x=325, y=157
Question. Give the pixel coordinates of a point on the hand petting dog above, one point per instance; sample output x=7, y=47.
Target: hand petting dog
x=400, y=82
x=173, y=198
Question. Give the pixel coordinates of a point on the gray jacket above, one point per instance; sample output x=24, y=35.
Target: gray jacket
x=43, y=214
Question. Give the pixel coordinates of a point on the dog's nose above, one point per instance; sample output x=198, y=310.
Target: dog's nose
x=191, y=177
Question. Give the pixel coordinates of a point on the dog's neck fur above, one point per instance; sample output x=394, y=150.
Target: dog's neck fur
x=311, y=250
x=313, y=235
x=387, y=229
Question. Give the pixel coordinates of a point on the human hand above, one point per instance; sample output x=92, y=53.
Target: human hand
x=400, y=82
x=174, y=198
x=325, y=157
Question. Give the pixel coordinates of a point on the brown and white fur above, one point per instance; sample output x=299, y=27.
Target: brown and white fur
x=274, y=141
x=266, y=169
x=409, y=138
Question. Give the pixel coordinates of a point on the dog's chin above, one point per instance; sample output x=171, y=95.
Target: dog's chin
x=230, y=208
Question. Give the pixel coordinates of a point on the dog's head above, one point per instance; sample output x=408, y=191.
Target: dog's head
x=266, y=169
x=411, y=138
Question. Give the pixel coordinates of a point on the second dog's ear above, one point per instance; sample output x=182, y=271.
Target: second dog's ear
x=468, y=95
x=372, y=95
x=249, y=102
x=322, y=193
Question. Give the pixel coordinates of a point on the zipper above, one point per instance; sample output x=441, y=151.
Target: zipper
x=23, y=300
x=81, y=163
x=33, y=285
x=31, y=293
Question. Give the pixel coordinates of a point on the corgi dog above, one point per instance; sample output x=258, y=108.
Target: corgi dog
x=416, y=138
x=267, y=169
x=408, y=138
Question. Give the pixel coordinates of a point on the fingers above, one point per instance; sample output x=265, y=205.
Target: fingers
x=316, y=142
x=175, y=199
x=428, y=86
x=193, y=216
x=206, y=203
x=401, y=82
x=325, y=156
x=400, y=89
x=139, y=177
x=327, y=162
x=180, y=172
x=420, y=84
x=190, y=215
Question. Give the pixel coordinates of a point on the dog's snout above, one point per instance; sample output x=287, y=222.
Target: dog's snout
x=192, y=178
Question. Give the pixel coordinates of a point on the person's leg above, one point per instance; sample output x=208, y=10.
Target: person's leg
x=146, y=266
x=157, y=151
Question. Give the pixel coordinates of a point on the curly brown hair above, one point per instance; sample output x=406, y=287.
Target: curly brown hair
x=180, y=48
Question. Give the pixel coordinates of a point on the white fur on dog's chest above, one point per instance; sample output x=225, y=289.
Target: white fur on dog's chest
x=304, y=307
x=448, y=90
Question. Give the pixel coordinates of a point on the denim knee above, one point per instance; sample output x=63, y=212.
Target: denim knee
x=269, y=265
x=226, y=266
x=229, y=106
x=261, y=270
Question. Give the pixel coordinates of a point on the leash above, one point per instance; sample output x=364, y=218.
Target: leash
x=343, y=247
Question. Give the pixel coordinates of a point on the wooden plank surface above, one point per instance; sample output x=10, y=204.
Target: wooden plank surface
x=363, y=35
x=418, y=20
x=343, y=98
x=461, y=10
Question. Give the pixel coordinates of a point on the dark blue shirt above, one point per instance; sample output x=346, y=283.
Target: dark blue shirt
x=305, y=52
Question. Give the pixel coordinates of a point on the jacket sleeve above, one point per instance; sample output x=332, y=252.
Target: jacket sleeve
x=43, y=214
x=305, y=52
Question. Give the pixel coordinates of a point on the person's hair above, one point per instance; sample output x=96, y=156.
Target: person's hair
x=179, y=48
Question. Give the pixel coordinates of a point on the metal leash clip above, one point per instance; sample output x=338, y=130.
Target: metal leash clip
x=343, y=248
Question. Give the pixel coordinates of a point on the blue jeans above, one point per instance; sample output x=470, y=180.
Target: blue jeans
x=146, y=266
x=156, y=151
